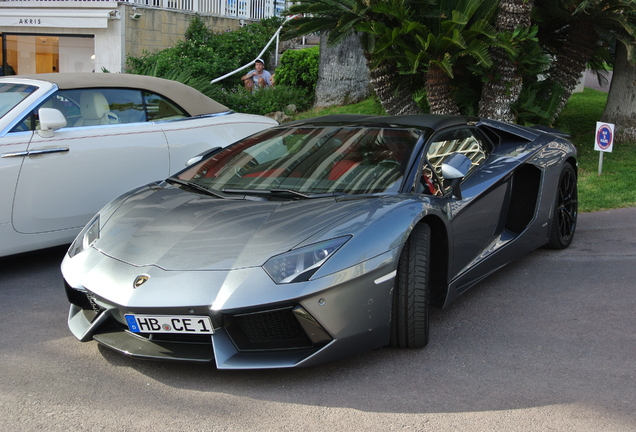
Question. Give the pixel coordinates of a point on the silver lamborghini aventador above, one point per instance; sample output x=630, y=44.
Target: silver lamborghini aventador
x=317, y=239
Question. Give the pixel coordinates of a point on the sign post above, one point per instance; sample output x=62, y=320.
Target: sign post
x=604, y=141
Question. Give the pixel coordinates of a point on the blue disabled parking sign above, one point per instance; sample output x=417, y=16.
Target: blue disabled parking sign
x=604, y=137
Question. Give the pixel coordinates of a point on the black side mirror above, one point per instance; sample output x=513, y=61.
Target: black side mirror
x=454, y=169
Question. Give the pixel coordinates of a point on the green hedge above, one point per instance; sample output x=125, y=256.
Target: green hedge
x=262, y=101
x=299, y=68
x=205, y=55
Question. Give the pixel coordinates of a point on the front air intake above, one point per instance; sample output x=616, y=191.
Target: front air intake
x=274, y=329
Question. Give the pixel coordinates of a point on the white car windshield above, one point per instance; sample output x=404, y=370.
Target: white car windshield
x=12, y=94
x=310, y=160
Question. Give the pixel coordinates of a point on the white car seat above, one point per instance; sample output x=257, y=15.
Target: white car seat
x=95, y=110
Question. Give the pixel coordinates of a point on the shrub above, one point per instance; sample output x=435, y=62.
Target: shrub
x=299, y=68
x=205, y=53
x=262, y=101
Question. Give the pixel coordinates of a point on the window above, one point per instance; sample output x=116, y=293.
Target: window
x=47, y=53
x=11, y=95
x=87, y=107
x=94, y=106
x=128, y=105
x=102, y=106
x=160, y=108
x=464, y=141
x=313, y=160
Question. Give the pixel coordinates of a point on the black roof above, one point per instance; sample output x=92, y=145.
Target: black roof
x=419, y=121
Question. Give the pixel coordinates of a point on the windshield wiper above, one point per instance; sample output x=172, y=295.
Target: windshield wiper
x=196, y=187
x=290, y=193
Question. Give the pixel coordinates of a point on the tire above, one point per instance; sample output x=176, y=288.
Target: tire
x=565, y=210
x=411, y=293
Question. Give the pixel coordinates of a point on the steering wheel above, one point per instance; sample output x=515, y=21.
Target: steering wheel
x=390, y=163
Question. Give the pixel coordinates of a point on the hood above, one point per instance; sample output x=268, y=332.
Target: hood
x=178, y=230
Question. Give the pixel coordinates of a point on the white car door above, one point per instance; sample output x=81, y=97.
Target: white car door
x=13, y=147
x=67, y=178
x=17, y=97
x=190, y=136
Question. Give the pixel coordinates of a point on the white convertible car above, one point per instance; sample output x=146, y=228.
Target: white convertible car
x=70, y=143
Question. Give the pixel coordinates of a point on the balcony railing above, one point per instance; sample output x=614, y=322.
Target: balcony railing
x=251, y=9
x=248, y=9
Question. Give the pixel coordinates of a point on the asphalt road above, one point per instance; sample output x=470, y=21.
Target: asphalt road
x=546, y=344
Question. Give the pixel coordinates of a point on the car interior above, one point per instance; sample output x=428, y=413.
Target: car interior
x=459, y=141
x=95, y=110
x=105, y=106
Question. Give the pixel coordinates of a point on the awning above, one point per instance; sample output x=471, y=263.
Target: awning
x=67, y=18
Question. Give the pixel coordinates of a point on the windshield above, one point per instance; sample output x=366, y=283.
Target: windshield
x=310, y=160
x=13, y=94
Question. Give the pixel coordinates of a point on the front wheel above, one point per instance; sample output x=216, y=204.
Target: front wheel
x=409, y=319
x=565, y=210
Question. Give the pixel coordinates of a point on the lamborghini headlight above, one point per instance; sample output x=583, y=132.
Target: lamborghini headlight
x=88, y=236
x=300, y=264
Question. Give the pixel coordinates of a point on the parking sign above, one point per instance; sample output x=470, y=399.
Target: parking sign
x=604, y=137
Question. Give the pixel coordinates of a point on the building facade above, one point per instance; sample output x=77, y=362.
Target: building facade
x=96, y=36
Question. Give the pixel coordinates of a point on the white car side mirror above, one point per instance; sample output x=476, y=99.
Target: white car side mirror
x=50, y=120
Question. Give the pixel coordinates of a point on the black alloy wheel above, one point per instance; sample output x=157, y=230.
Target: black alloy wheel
x=565, y=211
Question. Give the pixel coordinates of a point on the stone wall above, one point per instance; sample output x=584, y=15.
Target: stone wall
x=158, y=29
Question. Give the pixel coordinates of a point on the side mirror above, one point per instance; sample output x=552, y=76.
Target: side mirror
x=454, y=169
x=51, y=119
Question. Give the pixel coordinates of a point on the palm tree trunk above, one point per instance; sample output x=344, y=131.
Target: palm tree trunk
x=571, y=61
x=504, y=88
x=621, y=99
x=498, y=95
x=395, y=99
x=438, y=92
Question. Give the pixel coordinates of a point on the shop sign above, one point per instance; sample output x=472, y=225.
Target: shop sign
x=64, y=19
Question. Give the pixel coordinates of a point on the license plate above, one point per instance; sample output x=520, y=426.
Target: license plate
x=185, y=324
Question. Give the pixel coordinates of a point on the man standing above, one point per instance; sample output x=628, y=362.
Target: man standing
x=258, y=77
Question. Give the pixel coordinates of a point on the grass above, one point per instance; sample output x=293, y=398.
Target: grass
x=370, y=106
x=613, y=189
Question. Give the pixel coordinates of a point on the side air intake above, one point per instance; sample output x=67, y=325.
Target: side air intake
x=525, y=193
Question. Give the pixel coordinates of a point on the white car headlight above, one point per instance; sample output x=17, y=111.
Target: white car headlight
x=88, y=236
x=300, y=264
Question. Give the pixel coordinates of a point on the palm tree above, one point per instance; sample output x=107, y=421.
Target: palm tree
x=571, y=31
x=461, y=29
x=343, y=17
x=503, y=89
x=621, y=99
x=424, y=37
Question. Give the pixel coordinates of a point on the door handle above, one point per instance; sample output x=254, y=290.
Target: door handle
x=47, y=151
x=16, y=154
x=35, y=152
